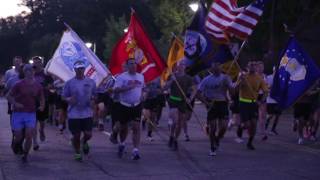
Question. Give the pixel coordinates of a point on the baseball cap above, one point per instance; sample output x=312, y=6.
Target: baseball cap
x=79, y=64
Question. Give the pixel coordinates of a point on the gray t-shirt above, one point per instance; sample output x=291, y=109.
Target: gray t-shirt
x=134, y=95
x=215, y=87
x=153, y=89
x=83, y=91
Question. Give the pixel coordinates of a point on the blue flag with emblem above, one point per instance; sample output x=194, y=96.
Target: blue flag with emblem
x=198, y=47
x=297, y=72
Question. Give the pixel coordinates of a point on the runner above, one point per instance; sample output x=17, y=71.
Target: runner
x=316, y=114
x=213, y=92
x=47, y=83
x=61, y=106
x=262, y=105
x=129, y=85
x=103, y=102
x=151, y=105
x=80, y=94
x=12, y=76
x=249, y=85
x=23, y=96
x=178, y=102
x=273, y=110
x=303, y=113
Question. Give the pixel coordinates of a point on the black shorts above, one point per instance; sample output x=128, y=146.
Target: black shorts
x=151, y=104
x=43, y=115
x=161, y=100
x=248, y=111
x=61, y=104
x=273, y=108
x=104, y=98
x=234, y=107
x=128, y=114
x=260, y=96
x=52, y=97
x=218, y=111
x=180, y=105
x=77, y=126
x=302, y=110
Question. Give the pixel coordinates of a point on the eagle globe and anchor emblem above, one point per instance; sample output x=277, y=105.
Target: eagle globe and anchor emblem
x=296, y=70
x=71, y=52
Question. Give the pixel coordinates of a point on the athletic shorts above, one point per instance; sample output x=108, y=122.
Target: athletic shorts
x=43, y=115
x=234, y=107
x=248, y=111
x=218, y=111
x=52, y=97
x=151, y=104
x=61, y=104
x=180, y=105
x=302, y=110
x=77, y=126
x=128, y=114
x=21, y=120
x=161, y=100
x=273, y=108
x=104, y=98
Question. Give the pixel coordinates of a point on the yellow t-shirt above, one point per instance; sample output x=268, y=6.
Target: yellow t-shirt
x=251, y=84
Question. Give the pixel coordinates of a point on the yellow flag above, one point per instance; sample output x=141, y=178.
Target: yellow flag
x=176, y=53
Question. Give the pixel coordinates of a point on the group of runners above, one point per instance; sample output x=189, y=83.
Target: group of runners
x=35, y=97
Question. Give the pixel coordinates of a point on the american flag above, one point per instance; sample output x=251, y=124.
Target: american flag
x=225, y=19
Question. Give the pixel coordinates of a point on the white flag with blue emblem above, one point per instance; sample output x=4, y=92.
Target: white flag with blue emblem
x=71, y=49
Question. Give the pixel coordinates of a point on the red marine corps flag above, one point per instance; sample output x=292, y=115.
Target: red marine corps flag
x=137, y=44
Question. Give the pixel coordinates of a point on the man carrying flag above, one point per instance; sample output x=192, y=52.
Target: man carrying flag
x=136, y=44
x=296, y=74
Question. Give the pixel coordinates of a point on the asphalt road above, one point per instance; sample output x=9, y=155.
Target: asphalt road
x=278, y=158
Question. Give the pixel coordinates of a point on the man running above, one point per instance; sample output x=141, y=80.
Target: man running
x=262, y=106
x=80, y=93
x=213, y=92
x=151, y=105
x=178, y=103
x=23, y=96
x=47, y=82
x=249, y=86
x=273, y=110
x=129, y=86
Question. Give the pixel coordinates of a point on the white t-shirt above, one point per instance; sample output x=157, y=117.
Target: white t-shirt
x=269, y=81
x=134, y=95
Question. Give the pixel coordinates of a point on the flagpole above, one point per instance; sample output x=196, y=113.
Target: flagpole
x=235, y=60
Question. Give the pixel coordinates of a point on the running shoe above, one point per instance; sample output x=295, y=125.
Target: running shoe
x=24, y=158
x=313, y=138
x=77, y=157
x=135, y=155
x=300, y=141
x=264, y=138
x=187, y=138
x=150, y=138
x=212, y=153
x=36, y=147
x=250, y=146
x=121, y=150
x=85, y=148
x=238, y=140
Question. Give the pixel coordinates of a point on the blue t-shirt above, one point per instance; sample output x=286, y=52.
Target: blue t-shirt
x=83, y=90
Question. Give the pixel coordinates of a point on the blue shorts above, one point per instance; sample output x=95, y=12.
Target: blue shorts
x=22, y=120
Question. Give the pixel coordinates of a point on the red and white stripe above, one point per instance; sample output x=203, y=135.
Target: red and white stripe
x=225, y=19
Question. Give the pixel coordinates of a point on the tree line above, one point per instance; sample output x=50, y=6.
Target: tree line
x=102, y=22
